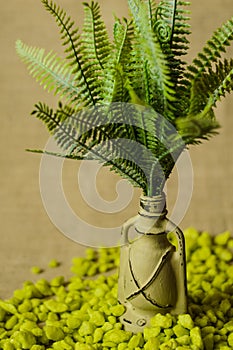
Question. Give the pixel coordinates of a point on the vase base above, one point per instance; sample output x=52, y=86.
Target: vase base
x=135, y=321
x=134, y=326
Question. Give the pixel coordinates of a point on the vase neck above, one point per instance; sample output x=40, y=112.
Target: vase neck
x=154, y=206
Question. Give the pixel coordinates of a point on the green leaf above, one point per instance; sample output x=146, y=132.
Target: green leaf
x=211, y=87
x=172, y=28
x=118, y=65
x=48, y=69
x=152, y=52
x=222, y=80
x=212, y=51
x=49, y=118
x=89, y=92
x=95, y=40
x=195, y=129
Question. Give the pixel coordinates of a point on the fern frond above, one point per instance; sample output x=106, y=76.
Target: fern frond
x=71, y=40
x=49, y=70
x=95, y=38
x=194, y=130
x=46, y=115
x=164, y=20
x=96, y=47
x=172, y=28
x=52, y=119
x=103, y=123
x=141, y=80
x=151, y=51
x=129, y=171
x=119, y=91
x=223, y=81
x=137, y=122
x=97, y=143
x=181, y=29
x=144, y=119
x=211, y=87
x=169, y=153
x=179, y=48
x=90, y=126
x=153, y=136
x=129, y=62
x=212, y=50
x=124, y=157
x=118, y=63
x=54, y=154
x=151, y=8
x=123, y=35
x=125, y=168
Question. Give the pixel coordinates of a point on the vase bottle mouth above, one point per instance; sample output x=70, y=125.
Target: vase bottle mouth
x=153, y=206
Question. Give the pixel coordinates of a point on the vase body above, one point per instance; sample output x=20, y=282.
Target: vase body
x=152, y=275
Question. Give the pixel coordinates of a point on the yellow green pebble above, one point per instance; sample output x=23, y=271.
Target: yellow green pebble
x=230, y=339
x=152, y=343
x=117, y=336
x=54, y=333
x=136, y=340
x=11, y=322
x=222, y=238
x=53, y=263
x=23, y=339
x=86, y=328
x=73, y=322
x=8, y=346
x=180, y=331
x=186, y=321
x=80, y=346
x=97, y=318
x=36, y=270
x=196, y=338
x=98, y=335
x=151, y=332
x=37, y=347
x=117, y=310
x=57, y=281
x=55, y=306
x=163, y=321
x=43, y=287
x=7, y=307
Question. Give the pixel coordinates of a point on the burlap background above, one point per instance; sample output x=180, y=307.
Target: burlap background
x=28, y=237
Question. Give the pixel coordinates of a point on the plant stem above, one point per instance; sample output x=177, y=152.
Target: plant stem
x=152, y=190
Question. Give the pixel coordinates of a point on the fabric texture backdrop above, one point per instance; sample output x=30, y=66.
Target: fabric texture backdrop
x=28, y=236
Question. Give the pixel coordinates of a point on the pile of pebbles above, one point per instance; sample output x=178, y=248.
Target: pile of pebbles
x=82, y=313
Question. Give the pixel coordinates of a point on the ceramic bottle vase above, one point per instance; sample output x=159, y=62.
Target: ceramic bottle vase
x=152, y=275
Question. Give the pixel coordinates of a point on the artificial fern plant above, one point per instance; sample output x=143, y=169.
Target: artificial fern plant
x=135, y=89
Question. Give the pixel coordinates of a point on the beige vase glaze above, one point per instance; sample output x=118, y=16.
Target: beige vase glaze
x=152, y=275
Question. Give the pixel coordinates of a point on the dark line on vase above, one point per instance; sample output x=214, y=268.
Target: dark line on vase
x=154, y=276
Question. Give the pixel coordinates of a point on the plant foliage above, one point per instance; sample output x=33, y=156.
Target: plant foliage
x=131, y=103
